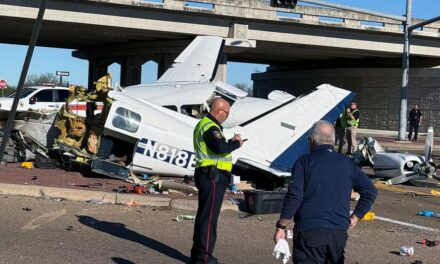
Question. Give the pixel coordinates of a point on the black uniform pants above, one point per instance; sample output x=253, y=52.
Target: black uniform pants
x=319, y=246
x=413, y=126
x=211, y=192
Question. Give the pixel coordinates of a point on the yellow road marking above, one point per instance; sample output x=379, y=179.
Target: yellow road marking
x=394, y=188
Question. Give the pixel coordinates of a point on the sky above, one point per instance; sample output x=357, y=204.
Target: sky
x=46, y=60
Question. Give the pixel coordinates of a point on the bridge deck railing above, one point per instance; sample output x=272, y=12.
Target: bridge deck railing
x=260, y=9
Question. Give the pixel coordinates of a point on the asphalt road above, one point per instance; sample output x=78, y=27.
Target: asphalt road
x=52, y=231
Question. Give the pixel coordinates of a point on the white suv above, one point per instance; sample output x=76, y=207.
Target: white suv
x=44, y=99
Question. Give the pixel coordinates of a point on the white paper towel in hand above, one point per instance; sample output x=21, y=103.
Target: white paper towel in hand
x=282, y=248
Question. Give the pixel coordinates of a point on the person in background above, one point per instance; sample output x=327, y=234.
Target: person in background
x=352, y=126
x=318, y=198
x=414, y=119
x=340, y=126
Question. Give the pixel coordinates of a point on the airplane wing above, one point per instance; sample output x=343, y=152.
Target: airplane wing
x=197, y=63
x=278, y=137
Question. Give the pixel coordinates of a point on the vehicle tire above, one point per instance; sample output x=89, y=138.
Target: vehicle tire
x=45, y=163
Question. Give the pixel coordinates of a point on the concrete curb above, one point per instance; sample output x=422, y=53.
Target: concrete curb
x=104, y=197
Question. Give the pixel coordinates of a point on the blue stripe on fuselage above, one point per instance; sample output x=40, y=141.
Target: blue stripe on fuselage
x=300, y=147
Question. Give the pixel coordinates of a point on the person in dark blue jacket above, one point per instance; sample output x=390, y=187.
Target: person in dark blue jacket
x=318, y=198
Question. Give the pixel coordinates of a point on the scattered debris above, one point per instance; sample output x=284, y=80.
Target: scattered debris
x=26, y=209
x=260, y=218
x=180, y=218
x=44, y=196
x=34, y=178
x=170, y=185
x=234, y=201
x=133, y=204
x=69, y=228
x=430, y=243
x=95, y=201
x=406, y=251
x=369, y=216
x=417, y=262
x=27, y=165
x=187, y=179
x=435, y=193
x=90, y=185
x=140, y=189
x=429, y=213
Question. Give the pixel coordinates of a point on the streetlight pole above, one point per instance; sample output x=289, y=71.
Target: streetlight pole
x=405, y=70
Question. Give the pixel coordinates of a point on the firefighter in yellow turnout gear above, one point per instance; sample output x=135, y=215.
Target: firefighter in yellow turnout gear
x=212, y=173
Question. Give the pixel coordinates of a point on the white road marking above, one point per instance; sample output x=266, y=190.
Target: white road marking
x=389, y=220
x=42, y=219
x=406, y=224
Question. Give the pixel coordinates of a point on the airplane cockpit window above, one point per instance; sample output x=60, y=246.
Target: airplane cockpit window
x=171, y=107
x=126, y=120
x=196, y=111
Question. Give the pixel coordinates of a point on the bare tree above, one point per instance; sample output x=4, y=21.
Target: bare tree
x=44, y=78
x=245, y=87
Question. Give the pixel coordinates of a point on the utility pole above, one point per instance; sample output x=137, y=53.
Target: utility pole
x=24, y=70
x=405, y=75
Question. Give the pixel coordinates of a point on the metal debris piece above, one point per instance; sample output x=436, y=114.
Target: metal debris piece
x=180, y=218
x=34, y=178
x=26, y=209
x=69, y=228
x=95, y=201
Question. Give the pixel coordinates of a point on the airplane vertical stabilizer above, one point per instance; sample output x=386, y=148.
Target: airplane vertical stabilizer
x=197, y=63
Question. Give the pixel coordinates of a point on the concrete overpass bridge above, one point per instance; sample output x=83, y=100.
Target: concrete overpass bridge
x=297, y=43
x=131, y=32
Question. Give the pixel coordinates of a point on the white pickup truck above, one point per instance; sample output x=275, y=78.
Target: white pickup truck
x=43, y=99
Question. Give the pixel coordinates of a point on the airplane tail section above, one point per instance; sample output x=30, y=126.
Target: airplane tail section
x=197, y=63
x=279, y=137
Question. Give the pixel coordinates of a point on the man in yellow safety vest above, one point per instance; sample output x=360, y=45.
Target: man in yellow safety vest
x=212, y=173
x=352, y=125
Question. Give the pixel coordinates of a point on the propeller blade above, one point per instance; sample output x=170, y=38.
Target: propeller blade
x=404, y=178
x=429, y=144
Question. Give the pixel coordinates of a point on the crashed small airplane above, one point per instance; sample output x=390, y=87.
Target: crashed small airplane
x=147, y=129
x=397, y=167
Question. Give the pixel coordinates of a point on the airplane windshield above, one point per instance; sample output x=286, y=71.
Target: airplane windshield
x=25, y=92
x=226, y=94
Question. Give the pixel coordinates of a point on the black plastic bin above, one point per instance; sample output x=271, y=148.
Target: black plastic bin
x=263, y=202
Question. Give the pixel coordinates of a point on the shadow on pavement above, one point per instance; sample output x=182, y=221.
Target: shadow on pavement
x=121, y=261
x=119, y=230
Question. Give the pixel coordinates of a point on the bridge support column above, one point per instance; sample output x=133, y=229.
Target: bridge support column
x=97, y=69
x=131, y=70
x=221, y=74
x=164, y=61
